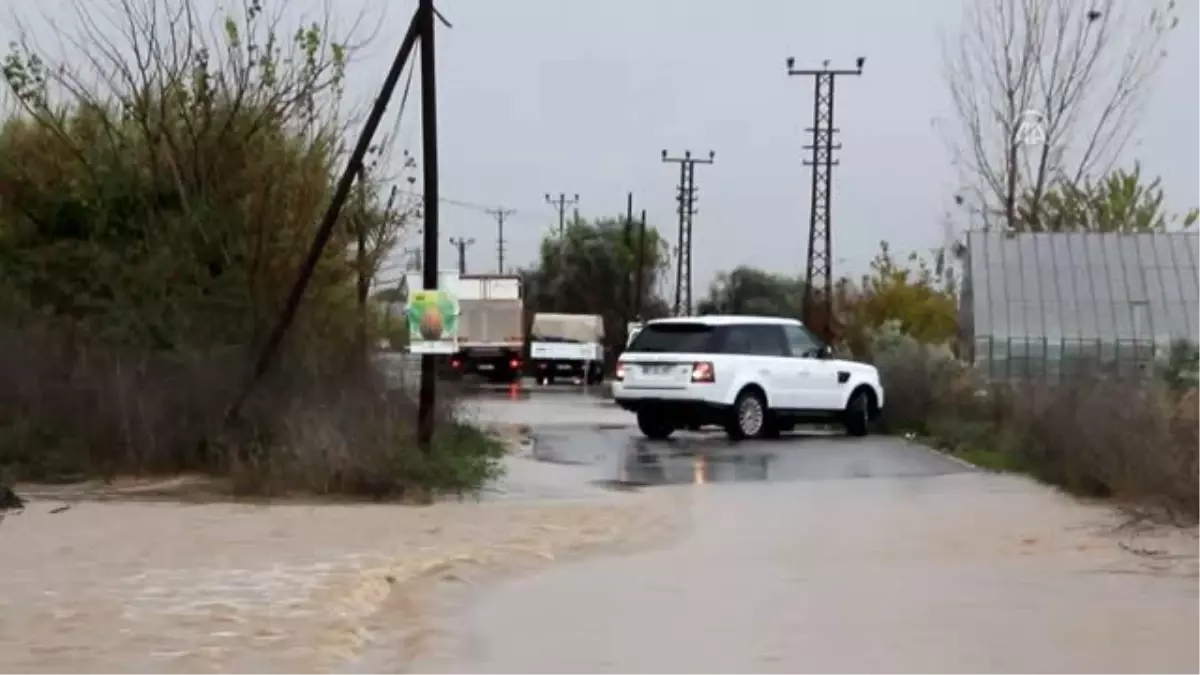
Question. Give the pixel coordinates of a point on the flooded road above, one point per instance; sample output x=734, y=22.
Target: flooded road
x=956, y=573
x=811, y=553
x=829, y=554
x=152, y=586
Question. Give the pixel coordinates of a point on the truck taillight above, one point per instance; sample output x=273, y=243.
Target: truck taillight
x=702, y=371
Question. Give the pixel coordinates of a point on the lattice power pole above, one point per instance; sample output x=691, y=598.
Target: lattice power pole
x=818, y=272
x=687, y=209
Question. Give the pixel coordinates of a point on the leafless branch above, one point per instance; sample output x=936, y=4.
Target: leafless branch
x=1084, y=67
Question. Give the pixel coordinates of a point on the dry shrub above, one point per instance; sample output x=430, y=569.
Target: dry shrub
x=1108, y=437
x=1131, y=439
x=72, y=409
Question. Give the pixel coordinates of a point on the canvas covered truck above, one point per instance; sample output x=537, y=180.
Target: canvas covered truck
x=490, y=335
x=567, y=346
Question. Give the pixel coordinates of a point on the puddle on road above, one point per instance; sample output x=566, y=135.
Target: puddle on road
x=621, y=457
x=682, y=467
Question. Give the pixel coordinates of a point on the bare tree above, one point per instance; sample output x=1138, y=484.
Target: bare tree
x=1046, y=91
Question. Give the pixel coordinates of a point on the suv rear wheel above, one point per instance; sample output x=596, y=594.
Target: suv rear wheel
x=653, y=426
x=748, y=419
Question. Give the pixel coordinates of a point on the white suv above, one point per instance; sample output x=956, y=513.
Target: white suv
x=754, y=376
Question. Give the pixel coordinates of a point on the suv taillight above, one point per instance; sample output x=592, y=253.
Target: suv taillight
x=619, y=374
x=702, y=371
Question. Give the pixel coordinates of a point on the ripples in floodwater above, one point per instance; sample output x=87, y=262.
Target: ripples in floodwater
x=145, y=587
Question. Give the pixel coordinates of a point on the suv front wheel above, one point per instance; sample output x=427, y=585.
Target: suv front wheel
x=654, y=427
x=749, y=417
x=857, y=416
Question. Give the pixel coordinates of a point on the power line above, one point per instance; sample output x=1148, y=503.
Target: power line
x=462, y=203
x=687, y=209
x=818, y=271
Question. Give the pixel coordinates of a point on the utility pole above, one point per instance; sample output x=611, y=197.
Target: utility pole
x=427, y=397
x=561, y=203
x=500, y=214
x=627, y=241
x=640, y=269
x=818, y=271
x=687, y=209
x=461, y=244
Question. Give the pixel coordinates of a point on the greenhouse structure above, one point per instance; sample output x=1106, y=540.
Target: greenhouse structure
x=1045, y=305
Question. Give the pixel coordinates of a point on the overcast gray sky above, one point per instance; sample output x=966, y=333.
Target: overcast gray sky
x=582, y=96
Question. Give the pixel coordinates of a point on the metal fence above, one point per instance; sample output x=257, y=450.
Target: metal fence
x=1048, y=305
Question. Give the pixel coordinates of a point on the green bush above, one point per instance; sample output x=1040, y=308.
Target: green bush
x=149, y=234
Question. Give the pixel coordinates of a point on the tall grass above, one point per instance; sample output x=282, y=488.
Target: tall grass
x=1131, y=439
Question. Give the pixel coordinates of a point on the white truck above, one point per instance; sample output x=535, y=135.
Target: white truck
x=567, y=346
x=490, y=319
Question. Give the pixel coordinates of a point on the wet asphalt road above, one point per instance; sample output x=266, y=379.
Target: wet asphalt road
x=572, y=428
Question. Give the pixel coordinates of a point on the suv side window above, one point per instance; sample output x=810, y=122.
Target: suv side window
x=755, y=340
x=766, y=340
x=737, y=340
x=800, y=341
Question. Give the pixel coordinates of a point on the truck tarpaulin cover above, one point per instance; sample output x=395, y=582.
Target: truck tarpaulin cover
x=489, y=321
x=582, y=328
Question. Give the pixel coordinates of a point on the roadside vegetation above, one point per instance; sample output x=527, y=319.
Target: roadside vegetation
x=156, y=200
x=1131, y=437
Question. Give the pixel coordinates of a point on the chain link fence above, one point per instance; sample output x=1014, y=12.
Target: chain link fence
x=1052, y=305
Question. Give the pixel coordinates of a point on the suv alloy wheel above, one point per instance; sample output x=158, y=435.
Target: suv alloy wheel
x=748, y=418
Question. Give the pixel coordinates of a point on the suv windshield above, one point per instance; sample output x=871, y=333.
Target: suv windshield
x=683, y=338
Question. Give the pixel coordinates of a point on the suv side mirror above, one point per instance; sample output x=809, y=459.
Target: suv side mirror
x=825, y=352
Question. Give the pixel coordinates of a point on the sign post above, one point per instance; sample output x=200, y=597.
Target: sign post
x=433, y=322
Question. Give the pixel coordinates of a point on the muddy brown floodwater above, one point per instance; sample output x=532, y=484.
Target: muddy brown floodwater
x=148, y=587
x=846, y=555
x=956, y=573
